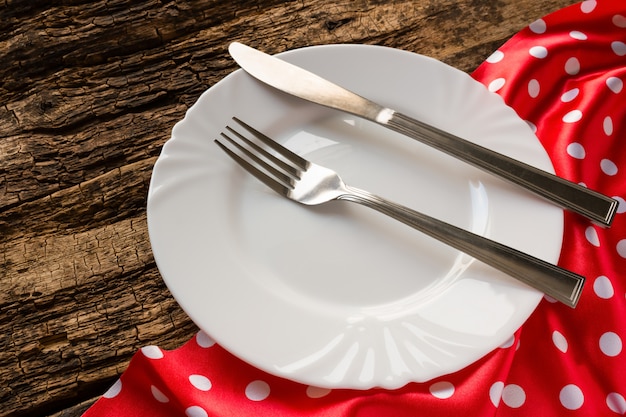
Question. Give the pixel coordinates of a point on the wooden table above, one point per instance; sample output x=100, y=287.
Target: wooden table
x=89, y=92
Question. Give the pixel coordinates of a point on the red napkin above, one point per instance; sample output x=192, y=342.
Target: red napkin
x=565, y=75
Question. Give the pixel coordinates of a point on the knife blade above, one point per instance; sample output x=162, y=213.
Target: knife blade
x=301, y=83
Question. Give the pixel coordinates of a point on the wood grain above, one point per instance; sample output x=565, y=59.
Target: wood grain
x=89, y=92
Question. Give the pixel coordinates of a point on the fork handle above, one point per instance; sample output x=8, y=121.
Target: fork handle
x=560, y=284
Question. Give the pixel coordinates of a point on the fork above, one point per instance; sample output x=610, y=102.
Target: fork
x=305, y=182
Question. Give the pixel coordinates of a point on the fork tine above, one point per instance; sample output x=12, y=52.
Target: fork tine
x=264, y=178
x=292, y=170
x=297, y=160
x=281, y=175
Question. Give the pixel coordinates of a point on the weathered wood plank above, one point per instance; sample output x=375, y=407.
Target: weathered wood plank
x=89, y=91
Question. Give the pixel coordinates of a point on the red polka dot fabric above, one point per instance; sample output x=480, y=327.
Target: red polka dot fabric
x=564, y=74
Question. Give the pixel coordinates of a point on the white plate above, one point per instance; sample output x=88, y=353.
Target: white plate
x=337, y=295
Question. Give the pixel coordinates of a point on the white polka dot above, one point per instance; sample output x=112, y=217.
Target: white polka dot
x=573, y=116
x=619, y=48
x=616, y=403
x=317, y=392
x=621, y=204
x=115, y=389
x=619, y=21
x=158, y=395
x=152, y=352
x=496, y=84
x=495, y=57
x=533, y=88
x=538, y=52
x=603, y=288
x=538, y=26
x=200, y=382
x=204, y=340
x=576, y=150
x=621, y=248
x=592, y=236
x=257, y=390
x=587, y=6
x=509, y=342
x=608, y=167
x=615, y=84
x=196, y=411
x=578, y=35
x=559, y=341
x=513, y=395
x=572, y=66
x=570, y=95
x=442, y=390
x=495, y=393
x=571, y=397
x=607, y=125
x=610, y=344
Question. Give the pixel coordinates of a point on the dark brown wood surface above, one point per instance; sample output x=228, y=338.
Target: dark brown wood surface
x=89, y=91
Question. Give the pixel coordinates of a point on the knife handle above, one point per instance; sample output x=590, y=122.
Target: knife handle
x=569, y=195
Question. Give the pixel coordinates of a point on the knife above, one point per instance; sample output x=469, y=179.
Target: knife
x=301, y=83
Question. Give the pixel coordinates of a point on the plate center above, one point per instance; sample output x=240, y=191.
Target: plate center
x=343, y=254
